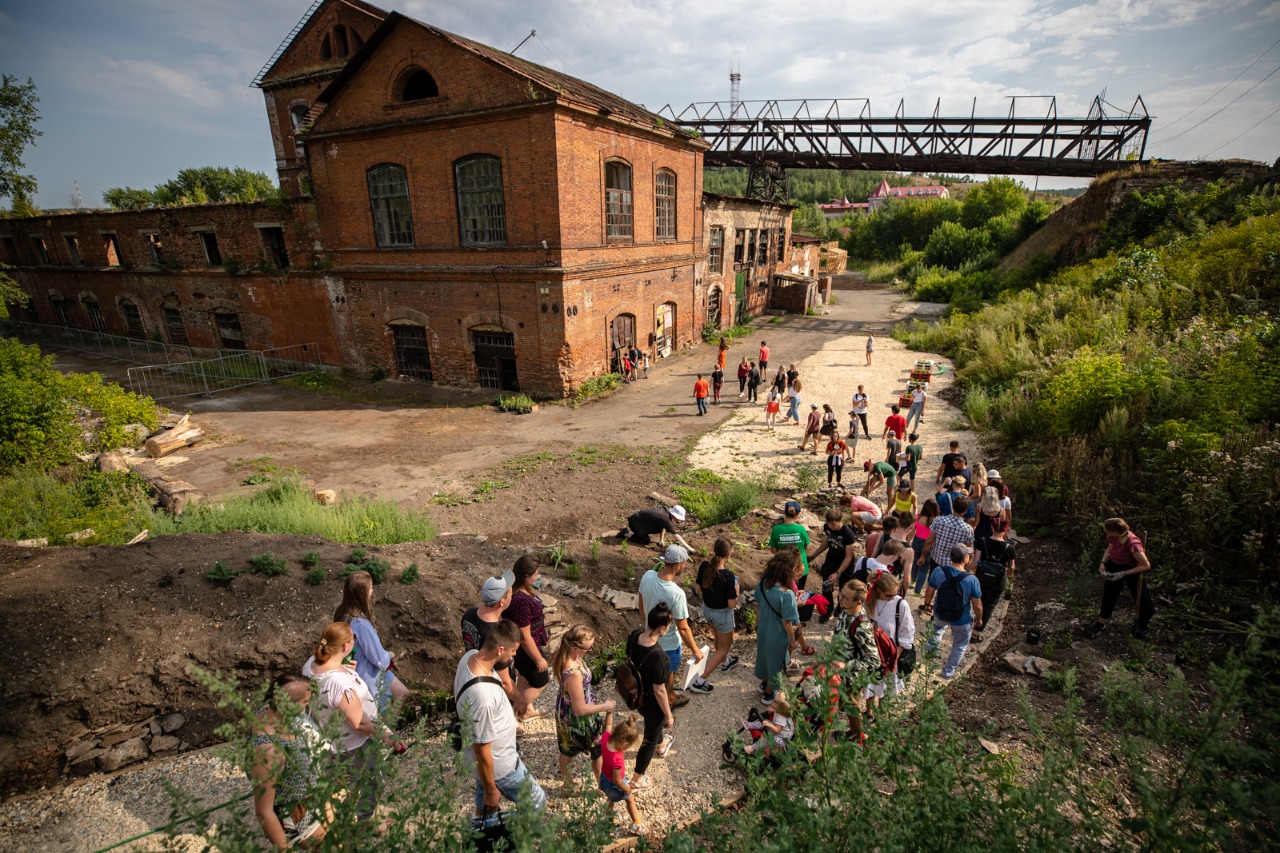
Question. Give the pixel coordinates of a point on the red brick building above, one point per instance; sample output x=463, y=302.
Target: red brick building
x=456, y=214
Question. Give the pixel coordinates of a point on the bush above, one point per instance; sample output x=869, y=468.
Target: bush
x=733, y=500
x=287, y=506
x=315, y=576
x=219, y=573
x=410, y=575
x=520, y=404
x=269, y=564
x=360, y=561
x=600, y=386
x=310, y=560
x=38, y=504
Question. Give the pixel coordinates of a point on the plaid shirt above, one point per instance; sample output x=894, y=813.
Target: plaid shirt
x=948, y=530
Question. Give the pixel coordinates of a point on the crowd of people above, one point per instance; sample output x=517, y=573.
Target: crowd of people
x=946, y=542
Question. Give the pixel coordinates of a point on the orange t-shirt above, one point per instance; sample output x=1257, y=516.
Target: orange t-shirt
x=701, y=388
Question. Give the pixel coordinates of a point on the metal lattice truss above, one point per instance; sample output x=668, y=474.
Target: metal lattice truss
x=843, y=134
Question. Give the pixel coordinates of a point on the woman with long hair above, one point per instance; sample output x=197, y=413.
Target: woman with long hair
x=777, y=620
x=723, y=355
x=989, y=510
x=928, y=512
x=1125, y=563
x=743, y=370
x=373, y=662
x=579, y=718
x=772, y=405
x=526, y=611
x=650, y=661
x=282, y=774
x=342, y=693
x=793, y=402
x=886, y=608
x=719, y=588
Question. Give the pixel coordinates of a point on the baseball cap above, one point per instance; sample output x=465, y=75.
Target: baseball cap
x=675, y=554
x=793, y=506
x=959, y=552
x=905, y=485
x=813, y=405
x=493, y=590
x=677, y=512
x=993, y=474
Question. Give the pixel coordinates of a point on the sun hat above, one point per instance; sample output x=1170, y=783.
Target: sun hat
x=677, y=512
x=993, y=474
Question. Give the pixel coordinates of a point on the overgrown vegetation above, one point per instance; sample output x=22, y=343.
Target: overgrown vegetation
x=288, y=506
x=52, y=504
x=200, y=185
x=520, y=404
x=711, y=334
x=728, y=501
x=596, y=388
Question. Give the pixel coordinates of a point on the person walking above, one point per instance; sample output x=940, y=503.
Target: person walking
x=871, y=347
x=947, y=531
x=793, y=403
x=764, y=357
x=723, y=355
x=700, y=391
x=647, y=657
x=484, y=709
x=719, y=588
x=914, y=451
x=776, y=622
x=283, y=774
x=772, y=405
x=579, y=718
x=892, y=447
x=890, y=613
x=918, y=396
x=838, y=541
x=753, y=384
x=661, y=586
x=792, y=375
x=717, y=382
x=373, y=662
x=1125, y=563
x=928, y=512
x=836, y=452
x=792, y=532
x=780, y=381
x=495, y=597
x=743, y=369
x=860, y=412
x=812, y=428
x=526, y=612
x=895, y=424
x=959, y=603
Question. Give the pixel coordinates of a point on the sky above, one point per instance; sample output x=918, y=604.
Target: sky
x=131, y=91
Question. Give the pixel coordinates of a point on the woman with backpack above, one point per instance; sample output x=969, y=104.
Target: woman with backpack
x=890, y=612
x=647, y=664
x=777, y=620
x=861, y=656
x=579, y=718
x=373, y=662
x=719, y=587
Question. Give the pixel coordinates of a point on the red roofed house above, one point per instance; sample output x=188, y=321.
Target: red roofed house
x=884, y=191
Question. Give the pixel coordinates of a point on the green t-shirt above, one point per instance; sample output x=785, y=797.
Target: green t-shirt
x=792, y=534
x=884, y=469
x=914, y=452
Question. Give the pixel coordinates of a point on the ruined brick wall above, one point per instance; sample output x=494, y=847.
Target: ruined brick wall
x=735, y=215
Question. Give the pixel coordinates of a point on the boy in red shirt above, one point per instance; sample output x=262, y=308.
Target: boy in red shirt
x=700, y=391
x=764, y=357
x=895, y=422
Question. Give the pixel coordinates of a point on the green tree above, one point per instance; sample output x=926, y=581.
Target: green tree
x=199, y=185
x=808, y=219
x=952, y=246
x=996, y=197
x=18, y=117
x=128, y=198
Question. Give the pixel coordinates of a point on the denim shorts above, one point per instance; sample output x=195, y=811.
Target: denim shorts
x=610, y=790
x=721, y=618
x=673, y=659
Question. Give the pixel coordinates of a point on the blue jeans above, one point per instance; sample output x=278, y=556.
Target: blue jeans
x=510, y=786
x=916, y=409
x=960, y=635
x=793, y=410
x=611, y=790
x=702, y=405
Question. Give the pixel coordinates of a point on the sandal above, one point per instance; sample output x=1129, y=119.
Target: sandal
x=808, y=650
x=665, y=746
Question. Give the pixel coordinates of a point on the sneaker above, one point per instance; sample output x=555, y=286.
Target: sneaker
x=641, y=783
x=701, y=687
x=729, y=663
x=1094, y=630
x=766, y=698
x=665, y=746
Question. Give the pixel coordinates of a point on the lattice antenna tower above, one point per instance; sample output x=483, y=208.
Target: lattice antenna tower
x=735, y=86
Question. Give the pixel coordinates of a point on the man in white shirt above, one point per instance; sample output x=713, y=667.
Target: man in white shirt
x=661, y=585
x=918, y=397
x=483, y=705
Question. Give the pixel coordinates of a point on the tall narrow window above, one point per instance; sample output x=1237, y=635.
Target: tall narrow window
x=63, y=312
x=111, y=248
x=73, y=249
x=340, y=40
x=782, y=244
x=229, y=330
x=156, y=247
x=750, y=257
x=762, y=251
x=389, y=199
x=481, y=209
x=617, y=201
x=273, y=246
x=133, y=321
x=739, y=247
x=42, y=250
x=10, y=250
x=94, y=311
x=664, y=205
x=209, y=242
x=715, y=249
x=177, y=328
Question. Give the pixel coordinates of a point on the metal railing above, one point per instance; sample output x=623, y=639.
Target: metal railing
x=207, y=377
x=99, y=343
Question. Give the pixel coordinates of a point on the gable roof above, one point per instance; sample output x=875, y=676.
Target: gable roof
x=304, y=25
x=565, y=87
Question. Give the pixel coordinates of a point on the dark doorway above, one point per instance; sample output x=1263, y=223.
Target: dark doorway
x=229, y=330
x=496, y=360
x=713, y=308
x=622, y=337
x=413, y=358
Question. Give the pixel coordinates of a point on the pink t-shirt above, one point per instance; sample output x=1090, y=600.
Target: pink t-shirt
x=611, y=761
x=764, y=353
x=861, y=504
x=1122, y=553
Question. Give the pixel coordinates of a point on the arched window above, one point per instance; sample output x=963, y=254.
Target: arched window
x=617, y=201
x=297, y=114
x=389, y=200
x=419, y=85
x=340, y=40
x=664, y=205
x=94, y=310
x=481, y=208
x=132, y=320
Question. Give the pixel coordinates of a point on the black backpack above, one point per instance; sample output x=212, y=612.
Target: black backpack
x=627, y=677
x=948, y=605
x=451, y=707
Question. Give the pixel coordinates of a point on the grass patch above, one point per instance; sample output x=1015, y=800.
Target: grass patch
x=733, y=500
x=50, y=505
x=287, y=506
x=596, y=388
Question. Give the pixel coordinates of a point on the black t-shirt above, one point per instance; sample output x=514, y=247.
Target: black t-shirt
x=837, y=541
x=792, y=376
x=717, y=376
x=948, y=464
x=646, y=522
x=753, y=377
x=721, y=590
x=997, y=551
x=474, y=629
x=650, y=661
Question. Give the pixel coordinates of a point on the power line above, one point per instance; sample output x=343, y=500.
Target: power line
x=1242, y=133
x=556, y=55
x=1207, y=118
x=1224, y=88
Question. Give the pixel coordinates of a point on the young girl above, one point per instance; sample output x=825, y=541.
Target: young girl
x=772, y=405
x=614, y=743
x=780, y=727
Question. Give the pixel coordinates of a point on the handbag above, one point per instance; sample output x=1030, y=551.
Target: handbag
x=906, y=657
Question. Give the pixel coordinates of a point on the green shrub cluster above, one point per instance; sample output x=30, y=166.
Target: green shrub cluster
x=597, y=387
x=47, y=417
x=731, y=500
x=36, y=503
x=288, y=506
x=520, y=404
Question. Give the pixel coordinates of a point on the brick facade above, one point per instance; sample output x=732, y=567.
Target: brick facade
x=401, y=260
x=750, y=235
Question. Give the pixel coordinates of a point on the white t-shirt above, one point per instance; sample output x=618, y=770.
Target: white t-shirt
x=331, y=686
x=905, y=625
x=786, y=730
x=654, y=589
x=492, y=720
x=917, y=396
x=859, y=404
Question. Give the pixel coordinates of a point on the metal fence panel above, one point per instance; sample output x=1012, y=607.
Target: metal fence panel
x=210, y=376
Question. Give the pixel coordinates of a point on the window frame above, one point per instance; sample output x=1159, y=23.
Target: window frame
x=379, y=227
x=128, y=325
x=209, y=245
x=42, y=250
x=619, y=226
x=664, y=205
x=715, y=250
x=495, y=225
x=93, y=310
x=73, y=249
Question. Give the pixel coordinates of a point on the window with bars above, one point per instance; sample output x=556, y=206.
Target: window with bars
x=762, y=251
x=389, y=200
x=133, y=326
x=63, y=311
x=617, y=201
x=750, y=254
x=715, y=251
x=94, y=310
x=664, y=205
x=482, y=214
x=177, y=328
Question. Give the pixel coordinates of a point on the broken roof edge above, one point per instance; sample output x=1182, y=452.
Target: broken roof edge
x=305, y=23
x=748, y=200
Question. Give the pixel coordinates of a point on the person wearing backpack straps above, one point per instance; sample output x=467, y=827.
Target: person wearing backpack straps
x=892, y=615
x=956, y=598
x=483, y=707
x=647, y=660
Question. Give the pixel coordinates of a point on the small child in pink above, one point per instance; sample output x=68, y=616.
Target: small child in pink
x=614, y=744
